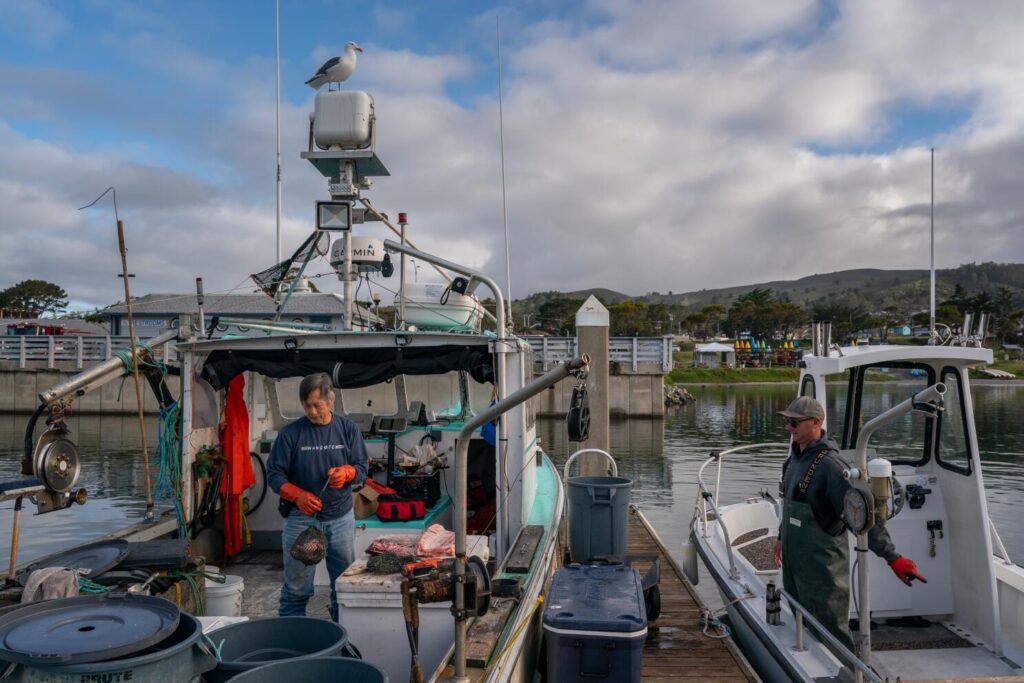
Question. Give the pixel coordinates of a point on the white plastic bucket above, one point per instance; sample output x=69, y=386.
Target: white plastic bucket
x=225, y=599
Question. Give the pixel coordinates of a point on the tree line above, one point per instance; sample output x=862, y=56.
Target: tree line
x=32, y=299
x=765, y=314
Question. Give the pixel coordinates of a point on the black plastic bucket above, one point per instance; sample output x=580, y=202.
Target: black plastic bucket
x=324, y=669
x=179, y=658
x=251, y=644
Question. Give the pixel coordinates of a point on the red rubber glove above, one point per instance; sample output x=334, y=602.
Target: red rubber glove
x=307, y=503
x=339, y=476
x=905, y=570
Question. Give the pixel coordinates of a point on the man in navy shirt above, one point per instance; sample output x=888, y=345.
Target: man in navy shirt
x=313, y=465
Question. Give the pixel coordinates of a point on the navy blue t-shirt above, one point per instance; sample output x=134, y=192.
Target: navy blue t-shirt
x=303, y=452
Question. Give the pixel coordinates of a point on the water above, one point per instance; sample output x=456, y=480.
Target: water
x=112, y=473
x=661, y=456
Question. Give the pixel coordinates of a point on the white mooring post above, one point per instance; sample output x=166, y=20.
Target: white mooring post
x=592, y=332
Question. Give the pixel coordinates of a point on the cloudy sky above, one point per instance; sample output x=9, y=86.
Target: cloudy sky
x=651, y=145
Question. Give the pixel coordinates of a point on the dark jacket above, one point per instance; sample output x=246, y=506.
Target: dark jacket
x=303, y=452
x=826, y=492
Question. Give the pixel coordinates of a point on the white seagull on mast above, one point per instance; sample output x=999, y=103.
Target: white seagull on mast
x=336, y=69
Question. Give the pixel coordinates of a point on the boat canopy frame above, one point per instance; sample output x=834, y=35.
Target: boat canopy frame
x=351, y=367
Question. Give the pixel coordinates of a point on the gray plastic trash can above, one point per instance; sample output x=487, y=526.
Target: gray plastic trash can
x=598, y=516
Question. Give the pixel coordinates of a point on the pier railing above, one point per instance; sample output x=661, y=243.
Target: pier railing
x=48, y=351
x=629, y=351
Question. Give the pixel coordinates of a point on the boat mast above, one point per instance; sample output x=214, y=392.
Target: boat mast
x=504, y=202
x=931, y=316
x=277, y=116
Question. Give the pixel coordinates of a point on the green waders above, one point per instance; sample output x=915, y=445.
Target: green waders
x=816, y=569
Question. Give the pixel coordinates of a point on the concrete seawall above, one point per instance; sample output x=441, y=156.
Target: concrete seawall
x=629, y=395
x=20, y=389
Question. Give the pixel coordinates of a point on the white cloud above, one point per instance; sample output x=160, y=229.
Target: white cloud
x=650, y=145
x=36, y=22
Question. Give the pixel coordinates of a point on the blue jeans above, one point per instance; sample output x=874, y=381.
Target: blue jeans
x=298, y=578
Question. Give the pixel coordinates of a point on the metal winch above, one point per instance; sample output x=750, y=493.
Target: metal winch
x=56, y=463
x=432, y=582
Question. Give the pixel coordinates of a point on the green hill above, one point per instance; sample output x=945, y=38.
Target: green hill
x=871, y=288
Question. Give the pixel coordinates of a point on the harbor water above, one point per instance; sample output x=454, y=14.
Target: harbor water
x=661, y=456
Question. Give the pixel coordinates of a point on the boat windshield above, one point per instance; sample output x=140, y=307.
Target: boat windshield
x=870, y=391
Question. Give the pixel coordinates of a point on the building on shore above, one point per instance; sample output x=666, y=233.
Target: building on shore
x=154, y=313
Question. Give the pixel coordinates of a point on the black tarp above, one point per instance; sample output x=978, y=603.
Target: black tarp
x=350, y=368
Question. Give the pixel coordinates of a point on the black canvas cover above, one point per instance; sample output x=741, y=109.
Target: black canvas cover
x=350, y=368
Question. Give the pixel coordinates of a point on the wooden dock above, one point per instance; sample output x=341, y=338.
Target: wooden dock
x=676, y=648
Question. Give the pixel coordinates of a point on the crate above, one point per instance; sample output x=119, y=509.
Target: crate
x=595, y=624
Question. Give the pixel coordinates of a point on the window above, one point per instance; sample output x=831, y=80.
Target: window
x=953, y=452
x=872, y=390
x=807, y=386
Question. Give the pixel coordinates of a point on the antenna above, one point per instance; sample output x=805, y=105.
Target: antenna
x=504, y=203
x=277, y=103
x=931, y=316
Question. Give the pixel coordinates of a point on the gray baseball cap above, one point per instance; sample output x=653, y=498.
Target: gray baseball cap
x=804, y=406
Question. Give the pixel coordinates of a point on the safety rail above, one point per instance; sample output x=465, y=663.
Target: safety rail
x=801, y=614
x=77, y=349
x=1003, y=554
x=706, y=498
x=632, y=351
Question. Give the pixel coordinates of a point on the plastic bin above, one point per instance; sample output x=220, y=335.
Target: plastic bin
x=326, y=669
x=598, y=516
x=595, y=624
x=250, y=644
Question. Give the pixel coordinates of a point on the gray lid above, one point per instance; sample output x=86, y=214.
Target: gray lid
x=85, y=629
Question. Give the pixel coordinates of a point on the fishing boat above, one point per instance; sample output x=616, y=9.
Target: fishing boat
x=915, y=467
x=441, y=410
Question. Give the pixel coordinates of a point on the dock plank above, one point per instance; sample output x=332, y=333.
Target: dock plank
x=676, y=647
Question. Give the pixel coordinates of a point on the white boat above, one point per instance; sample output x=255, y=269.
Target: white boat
x=421, y=400
x=435, y=306
x=967, y=621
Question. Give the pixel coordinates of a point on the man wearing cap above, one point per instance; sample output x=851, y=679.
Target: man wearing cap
x=314, y=463
x=812, y=548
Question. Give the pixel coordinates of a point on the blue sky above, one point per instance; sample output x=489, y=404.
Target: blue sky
x=651, y=145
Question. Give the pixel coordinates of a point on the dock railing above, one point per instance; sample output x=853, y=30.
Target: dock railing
x=79, y=350
x=629, y=351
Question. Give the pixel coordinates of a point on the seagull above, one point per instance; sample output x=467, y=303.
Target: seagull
x=336, y=69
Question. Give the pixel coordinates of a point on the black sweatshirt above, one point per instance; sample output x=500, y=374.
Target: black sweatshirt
x=826, y=492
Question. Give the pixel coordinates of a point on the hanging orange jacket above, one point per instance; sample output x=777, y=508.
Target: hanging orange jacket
x=238, y=474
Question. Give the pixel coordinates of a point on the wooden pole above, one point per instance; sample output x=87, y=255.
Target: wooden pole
x=135, y=357
x=14, y=536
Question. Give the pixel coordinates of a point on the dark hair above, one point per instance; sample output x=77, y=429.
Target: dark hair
x=316, y=382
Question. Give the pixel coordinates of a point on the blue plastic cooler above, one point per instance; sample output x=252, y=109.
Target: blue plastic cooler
x=595, y=624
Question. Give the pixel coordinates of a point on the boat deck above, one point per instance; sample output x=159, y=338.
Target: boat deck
x=676, y=647
x=261, y=571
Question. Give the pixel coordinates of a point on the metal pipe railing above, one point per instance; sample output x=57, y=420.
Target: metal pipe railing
x=833, y=643
x=705, y=497
x=500, y=348
x=462, y=482
x=999, y=543
x=106, y=371
x=929, y=400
